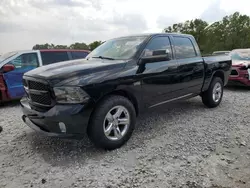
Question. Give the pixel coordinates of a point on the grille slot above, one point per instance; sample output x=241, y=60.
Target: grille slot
x=38, y=86
x=41, y=99
x=234, y=73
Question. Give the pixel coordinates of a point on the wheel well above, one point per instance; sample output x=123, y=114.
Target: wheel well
x=127, y=95
x=220, y=74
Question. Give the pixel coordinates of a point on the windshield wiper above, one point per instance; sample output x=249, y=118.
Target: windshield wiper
x=102, y=57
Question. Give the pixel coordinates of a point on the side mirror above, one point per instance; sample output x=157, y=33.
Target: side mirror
x=8, y=68
x=157, y=56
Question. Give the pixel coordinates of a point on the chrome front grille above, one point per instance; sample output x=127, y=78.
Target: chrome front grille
x=38, y=92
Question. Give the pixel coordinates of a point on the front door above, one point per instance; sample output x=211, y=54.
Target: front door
x=159, y=81
x=13, y=79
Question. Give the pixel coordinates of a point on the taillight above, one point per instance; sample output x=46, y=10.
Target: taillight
x=2, y=84
x=3, y=89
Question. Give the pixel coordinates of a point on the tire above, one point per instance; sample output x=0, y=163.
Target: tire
x=213, y=96
x=1, y=129
x=105, y=118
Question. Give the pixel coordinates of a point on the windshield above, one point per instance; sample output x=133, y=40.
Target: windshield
x=120, y=48
x=241, y=55
x=7, y=55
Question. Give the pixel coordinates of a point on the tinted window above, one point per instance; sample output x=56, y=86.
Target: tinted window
x=159, y=44
x=184, y=48
x=79, y=55
x=25, y=60
x=53, y=57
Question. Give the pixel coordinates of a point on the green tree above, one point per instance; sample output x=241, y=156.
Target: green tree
x=61, y=47
x=231, y=32
x=193, y=27
x=43, y=46
x=79, y=46
x=94, y=44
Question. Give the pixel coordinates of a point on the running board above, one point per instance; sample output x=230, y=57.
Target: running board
x=174, y=99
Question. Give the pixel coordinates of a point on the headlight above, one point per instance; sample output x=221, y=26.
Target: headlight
x=70, y=95
x=246, y=64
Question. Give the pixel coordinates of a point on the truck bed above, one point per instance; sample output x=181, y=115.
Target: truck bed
x=216, y=64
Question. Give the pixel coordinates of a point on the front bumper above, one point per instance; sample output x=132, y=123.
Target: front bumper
x=240, y=77
x=60, y=121
x=239, y=82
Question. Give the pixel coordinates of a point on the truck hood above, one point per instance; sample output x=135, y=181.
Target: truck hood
x=69, y=70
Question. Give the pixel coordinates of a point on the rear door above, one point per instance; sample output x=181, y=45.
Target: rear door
x=13, y=79
x=190, y=66
x=49, y=57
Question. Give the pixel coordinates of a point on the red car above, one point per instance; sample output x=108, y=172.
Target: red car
x=240, y=74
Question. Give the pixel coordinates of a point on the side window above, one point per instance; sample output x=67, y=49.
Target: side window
x=158, y=46
x=53, y=57
x=184, y=48
x=79, y=55
x=25, y=60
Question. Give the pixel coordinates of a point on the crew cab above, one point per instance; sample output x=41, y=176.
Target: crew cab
x=14, y=64
x=104, y=93
x=240, y=74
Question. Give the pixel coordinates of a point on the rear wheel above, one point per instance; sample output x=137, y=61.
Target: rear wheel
x=213, y=96
x=112, y=123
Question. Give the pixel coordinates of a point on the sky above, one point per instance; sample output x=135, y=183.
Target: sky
x=24, y=23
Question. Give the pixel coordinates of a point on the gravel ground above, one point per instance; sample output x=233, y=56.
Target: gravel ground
x=177, y=145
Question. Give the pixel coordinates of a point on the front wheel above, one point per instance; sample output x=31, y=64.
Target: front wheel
x=112, y=123
x=213, y=96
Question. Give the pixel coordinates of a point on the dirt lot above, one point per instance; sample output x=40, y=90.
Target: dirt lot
x=177, y=145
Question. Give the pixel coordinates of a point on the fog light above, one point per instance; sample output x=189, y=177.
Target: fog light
x=62, y=127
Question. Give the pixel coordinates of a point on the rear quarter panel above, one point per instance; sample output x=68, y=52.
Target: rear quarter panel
x=215, y=65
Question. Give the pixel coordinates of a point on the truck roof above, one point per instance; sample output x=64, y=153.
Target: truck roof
x=241, y=50
x=50, y=50
x=63, y=50
x=155, y=34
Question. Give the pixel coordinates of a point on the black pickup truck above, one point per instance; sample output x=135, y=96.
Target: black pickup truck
x=103, y=93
